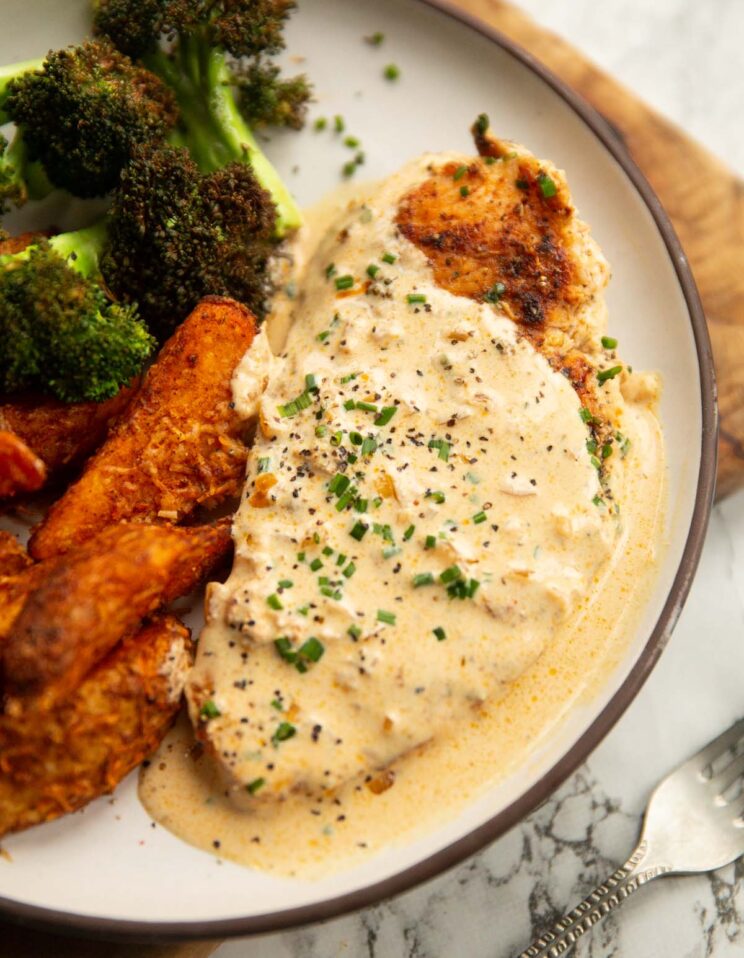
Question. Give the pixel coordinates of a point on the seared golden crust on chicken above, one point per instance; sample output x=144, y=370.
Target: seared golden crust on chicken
x=20, y=470
x=55, y=762
x=178, y=445
x=502, y=229
x=61, y=434
x=81, y=604
x=13, y=557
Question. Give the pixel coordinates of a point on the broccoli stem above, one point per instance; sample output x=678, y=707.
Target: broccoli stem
x=215, y=132
x=81, y=248
x=11, y=72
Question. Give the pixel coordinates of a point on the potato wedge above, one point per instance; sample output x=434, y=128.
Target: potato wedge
x=61, y=434
x=20, y=469
x=54, y=762
x=179, y=443
x=81, y=604
x=13, y=557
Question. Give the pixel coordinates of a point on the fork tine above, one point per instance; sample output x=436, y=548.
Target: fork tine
x=718, y=746
x=726, y=778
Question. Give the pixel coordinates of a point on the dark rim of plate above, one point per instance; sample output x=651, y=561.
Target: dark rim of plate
x=453, y=854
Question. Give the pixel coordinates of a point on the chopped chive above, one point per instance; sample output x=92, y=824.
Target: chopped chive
x=368, y=446
x=387, y=617
x=304, y=609
x=595, y=462
x=598, y=500
x=386, y=415
x=412, y=298
x=264, y=464
x=349, y=404
x=479, y=517
x=209, y=710
x=327, y=551
x=310, y=382
x=349, y=571
x=320, y=431
x=473, y=586
x=356, y=438
x=464, y=191
x=450, y=574
x=300, y=556
x=607, y=450
x=283, y=732
x=339, y=484
x=354, y=631
x=349, y=169
x=316, y=564
x=609, y=342
x=276, y=704
x=349, y=377
x=436, y=496
x=390, y=552
x=408, y=533
x=284, y=647
x=430, y=542
x=367, y=406
x=256, y=784
x=423, y=578
x=274, y=602
x=322, y=337
x=440, y=633
x=351, y=457
x=372, y=270
x=495, y=293
x=610, y=373
x=547, y=185
x=358, y=531
x=482, y=123
x=585, y=415
x=345, y=499
x=391, y=72
x=285, y=583
x=351, y=141
x=339, y=125
x=312, y=650
x=389, y=258
x=330, y=270
x=320, y=124
x=340, y=559
x=336, y=438
x=361, y=505
x=344, y=282
x=443, y=446
x=459, y=173
x=591, y=446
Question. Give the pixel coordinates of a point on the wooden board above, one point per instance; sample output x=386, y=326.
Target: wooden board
x=705, y=201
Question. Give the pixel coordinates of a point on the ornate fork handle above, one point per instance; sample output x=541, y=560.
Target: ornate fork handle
x=620, y=885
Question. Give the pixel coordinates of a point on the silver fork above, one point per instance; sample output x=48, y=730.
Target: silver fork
x=694, y=823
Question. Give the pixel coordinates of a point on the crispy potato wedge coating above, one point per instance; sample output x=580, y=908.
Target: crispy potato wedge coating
x=13, y=557
x=81, y=604
x=61, y=434
x=54, y=762
x=178, y=445
x=20, y=469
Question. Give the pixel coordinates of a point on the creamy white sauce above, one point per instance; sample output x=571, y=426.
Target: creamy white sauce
x=425, y=640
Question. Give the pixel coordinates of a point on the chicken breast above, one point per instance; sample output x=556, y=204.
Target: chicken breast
x=434, y=489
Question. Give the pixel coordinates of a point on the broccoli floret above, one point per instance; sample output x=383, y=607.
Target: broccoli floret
x=81, y=114
x=61, y=333
x=267, y=99
x=12, y=184
x=176, y=234
x=194, y=45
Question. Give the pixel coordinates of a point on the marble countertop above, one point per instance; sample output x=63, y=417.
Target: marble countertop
x=684, y=58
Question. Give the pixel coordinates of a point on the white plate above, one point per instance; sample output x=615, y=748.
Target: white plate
x=106, y=870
